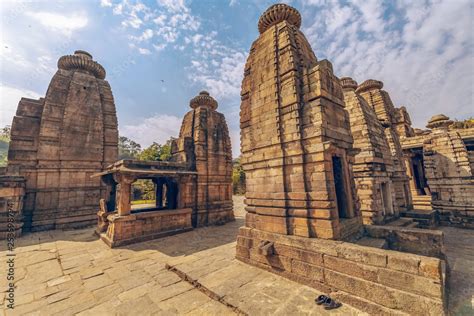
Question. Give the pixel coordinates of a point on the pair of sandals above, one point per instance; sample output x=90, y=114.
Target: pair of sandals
x=328, y=302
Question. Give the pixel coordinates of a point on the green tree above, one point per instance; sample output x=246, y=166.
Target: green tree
x=151, y=153
x=4, y=143
x=157, y=152
x=238, y=177
x=467, y=123
x=128, y=149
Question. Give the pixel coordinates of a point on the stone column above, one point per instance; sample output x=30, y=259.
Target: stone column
x=125, y=189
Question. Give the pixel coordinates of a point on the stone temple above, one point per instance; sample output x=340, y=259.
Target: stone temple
x=342, y=195
x=440, y=164
x=192, y=190
x=373, y=164
x=59, y=141
x=371, y=91
x=322, y=156
x=295, y=136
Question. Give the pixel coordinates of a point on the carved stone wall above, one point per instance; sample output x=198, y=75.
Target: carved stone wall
x=373, y=166
x=371, y=91
x=58, y=141
x=204, y=144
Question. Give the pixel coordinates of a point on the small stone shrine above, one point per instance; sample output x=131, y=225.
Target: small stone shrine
x=192, y=190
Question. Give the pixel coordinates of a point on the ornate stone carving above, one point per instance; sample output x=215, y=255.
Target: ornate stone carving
x=82, y=60
x=276, y=14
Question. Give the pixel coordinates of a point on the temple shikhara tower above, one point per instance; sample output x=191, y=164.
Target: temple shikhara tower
x=204, y=144
x=379, y=100
x=373, y=166
x=59, y=141
x=295, y=136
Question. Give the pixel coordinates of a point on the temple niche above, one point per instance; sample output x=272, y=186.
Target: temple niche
x=59, y=141
x=373, y=166
x=303, y=218
x=379, y=100
x=194, y=189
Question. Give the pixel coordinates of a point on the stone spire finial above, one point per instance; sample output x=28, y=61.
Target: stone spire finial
x=82, y=60
x=278, y=13
x=370, y=84
x=203, y=99
x=439, y=121
x=348, y=83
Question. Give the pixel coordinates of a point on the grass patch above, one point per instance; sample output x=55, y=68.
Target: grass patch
x=143, y=202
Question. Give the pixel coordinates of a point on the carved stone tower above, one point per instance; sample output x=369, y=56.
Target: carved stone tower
x=295, y=136
x=204, y=143
x=60, y=140
x=449, y=173
x=373, y=164
x=379, y=100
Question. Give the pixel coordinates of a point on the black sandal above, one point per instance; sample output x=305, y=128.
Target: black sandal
x=331, y=304
x=321, y=299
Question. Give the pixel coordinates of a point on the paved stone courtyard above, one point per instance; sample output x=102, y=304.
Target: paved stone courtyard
x=72, y=272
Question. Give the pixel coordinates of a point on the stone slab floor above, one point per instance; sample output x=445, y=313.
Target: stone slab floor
x=72, y=272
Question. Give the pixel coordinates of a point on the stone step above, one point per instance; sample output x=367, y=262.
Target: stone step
x=415, y=224
x=373, y=242
x=401, y=222
x=428, y=214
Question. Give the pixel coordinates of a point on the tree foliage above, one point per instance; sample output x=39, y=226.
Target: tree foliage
x=238, y=177
x=128, y=149
x=467, y=123
x=156, y=152
x=4, y=142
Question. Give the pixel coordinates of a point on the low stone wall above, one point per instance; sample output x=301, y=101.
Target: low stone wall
x=12, y=192
x=124, y=230
x=375, y=280
x=425, y=242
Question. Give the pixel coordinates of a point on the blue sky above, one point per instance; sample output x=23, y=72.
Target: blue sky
x=158, y=54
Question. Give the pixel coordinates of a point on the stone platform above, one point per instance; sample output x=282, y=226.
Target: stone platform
x=72, y=272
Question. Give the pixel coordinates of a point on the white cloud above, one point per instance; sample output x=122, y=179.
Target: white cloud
x=146, y=35
x=169, y=22
x=118, y=9
x=105, y=3
x=419, y=49
x=60, y=23
x=158, y=128
x=144, y=51
x=232, y=3
x=160, y=20
x=9, y=98
x=159, y=47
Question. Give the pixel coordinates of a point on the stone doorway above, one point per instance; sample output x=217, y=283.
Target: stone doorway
x=166, y=193
x=386, y=198
x=340, y=187
x=418, y=173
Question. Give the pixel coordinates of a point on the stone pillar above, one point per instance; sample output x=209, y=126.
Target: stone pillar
x=124, y=192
